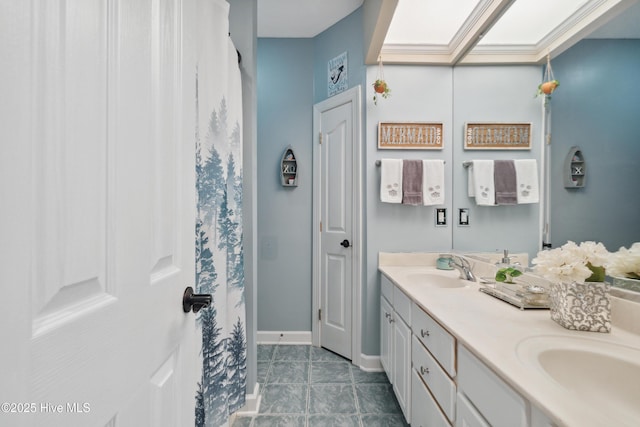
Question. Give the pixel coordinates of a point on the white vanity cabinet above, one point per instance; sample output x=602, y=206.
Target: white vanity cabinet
x=395, y=337
x=495, y=403
x=411, y=338
x=437, y=381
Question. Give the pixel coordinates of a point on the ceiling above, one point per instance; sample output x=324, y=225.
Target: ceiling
x=301, y=18
x=465, y=31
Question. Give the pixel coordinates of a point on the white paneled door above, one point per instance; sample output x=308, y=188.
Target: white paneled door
x=97, y=213
x=336, y=209
x=336, y=234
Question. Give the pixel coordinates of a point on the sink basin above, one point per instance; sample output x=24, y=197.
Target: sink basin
x=436, y=280
x=604, y=375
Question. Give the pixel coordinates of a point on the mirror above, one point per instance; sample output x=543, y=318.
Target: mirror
x=595, y=108
x=604, y=125
x=495, y=94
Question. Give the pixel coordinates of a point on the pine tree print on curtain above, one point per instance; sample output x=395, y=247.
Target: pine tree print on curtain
x=218, y=234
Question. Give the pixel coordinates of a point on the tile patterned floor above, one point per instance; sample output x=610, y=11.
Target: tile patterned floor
x=305, y=386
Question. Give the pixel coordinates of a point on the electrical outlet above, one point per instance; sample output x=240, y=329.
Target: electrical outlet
x=441, y=217
x=463, y=216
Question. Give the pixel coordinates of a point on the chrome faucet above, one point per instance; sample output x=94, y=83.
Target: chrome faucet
x=463, y=266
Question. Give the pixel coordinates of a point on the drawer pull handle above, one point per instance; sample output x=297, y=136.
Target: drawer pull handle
x=424, y=333
x=424, y=370
x=387, y=315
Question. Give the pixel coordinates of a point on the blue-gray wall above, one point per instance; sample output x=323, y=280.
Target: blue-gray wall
x=496, y=94
x=285, y=101
x=453, y=96
x=597, y=107
x=292, y=77
x=418, y=93
x=345, y=36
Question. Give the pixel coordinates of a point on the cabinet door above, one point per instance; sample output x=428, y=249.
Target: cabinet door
x=539, y=419
x=386, y=337
x=466, y=414
x=402, y=364
x=424, y=409
x=498, y=403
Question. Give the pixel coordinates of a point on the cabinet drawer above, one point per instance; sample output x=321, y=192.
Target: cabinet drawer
x=424, y=410
x=386, y=288
x=498, y=403
x=440, y=385
x=435, y=338
x=402, y=305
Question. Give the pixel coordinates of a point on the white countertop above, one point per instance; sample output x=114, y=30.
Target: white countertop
x=493, y=329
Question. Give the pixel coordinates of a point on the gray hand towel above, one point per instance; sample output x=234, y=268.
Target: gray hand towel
x=504, y=176
x=412, y=182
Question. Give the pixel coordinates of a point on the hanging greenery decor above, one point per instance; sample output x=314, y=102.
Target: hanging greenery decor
x=549, y=83
x=380, y=86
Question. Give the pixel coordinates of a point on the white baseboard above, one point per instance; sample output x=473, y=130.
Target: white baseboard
x=367, y=363
x=252, y=403
x=284, y=337
x=370, y=363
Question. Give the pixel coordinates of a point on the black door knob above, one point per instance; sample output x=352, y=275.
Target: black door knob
x=345, y=243
x=195, y=302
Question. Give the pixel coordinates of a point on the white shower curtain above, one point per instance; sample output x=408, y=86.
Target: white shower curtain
x=219, y=253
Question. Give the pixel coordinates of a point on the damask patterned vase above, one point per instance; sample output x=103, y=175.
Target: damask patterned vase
x=581, y=306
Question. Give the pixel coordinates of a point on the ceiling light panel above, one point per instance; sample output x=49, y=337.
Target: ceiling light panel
x=527, y=22
x=428, y=22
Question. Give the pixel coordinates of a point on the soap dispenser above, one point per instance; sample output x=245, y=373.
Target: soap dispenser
x=506, y=261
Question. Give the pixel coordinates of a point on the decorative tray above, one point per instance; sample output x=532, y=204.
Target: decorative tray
x=522, y=296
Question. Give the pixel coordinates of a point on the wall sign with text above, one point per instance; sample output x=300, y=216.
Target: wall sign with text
x=410, y=136
x=338, y=74
x=497, y=136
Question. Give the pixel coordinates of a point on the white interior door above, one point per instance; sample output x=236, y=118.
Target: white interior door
x=98, y=210
x=336, y=235
x=336, y=208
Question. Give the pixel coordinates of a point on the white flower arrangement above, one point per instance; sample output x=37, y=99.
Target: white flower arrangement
x=625, y=262
x=573, y=263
